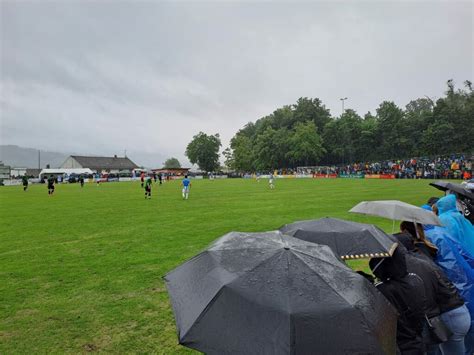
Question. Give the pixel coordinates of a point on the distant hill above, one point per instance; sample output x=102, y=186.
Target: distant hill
x=16, y=156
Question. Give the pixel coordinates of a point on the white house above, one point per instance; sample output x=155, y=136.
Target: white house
x=100, y=164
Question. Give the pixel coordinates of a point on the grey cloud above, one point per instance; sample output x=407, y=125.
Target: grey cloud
x=107, y=76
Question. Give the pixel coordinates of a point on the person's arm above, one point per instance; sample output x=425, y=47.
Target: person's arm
x=456, y=268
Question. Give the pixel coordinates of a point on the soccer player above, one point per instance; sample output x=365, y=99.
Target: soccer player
x=81, y=180
x=270, y=182
x=24, y=179
x=51, y=185
x=148, y=188
x=142, y=178
x=186, y=185
x=160, y=177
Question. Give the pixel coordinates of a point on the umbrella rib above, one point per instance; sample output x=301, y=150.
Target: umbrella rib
x=324, y=261
x=203, y=313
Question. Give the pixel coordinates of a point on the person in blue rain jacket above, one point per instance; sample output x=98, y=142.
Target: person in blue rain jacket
x=457, y=263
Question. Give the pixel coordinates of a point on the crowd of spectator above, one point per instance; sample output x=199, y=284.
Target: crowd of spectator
x=455, y=166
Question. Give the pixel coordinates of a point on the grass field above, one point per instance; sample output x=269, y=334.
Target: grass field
x=81, y=271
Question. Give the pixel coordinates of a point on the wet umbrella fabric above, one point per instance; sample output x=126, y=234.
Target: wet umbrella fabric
x=265, y=293
x=396, y=210
x=459, y=189
x=349, y=240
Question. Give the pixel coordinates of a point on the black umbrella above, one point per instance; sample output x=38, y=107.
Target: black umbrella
x=349, y=240
x=265, y=293
x=459, y=189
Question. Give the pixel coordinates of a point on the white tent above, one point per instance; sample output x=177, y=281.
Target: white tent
x=64, y=171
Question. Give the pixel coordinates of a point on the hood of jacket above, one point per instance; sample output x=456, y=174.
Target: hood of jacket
x=405, y=239
x=389, y=268
x=446, y=204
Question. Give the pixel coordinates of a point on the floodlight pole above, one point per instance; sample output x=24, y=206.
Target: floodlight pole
x=342, y=101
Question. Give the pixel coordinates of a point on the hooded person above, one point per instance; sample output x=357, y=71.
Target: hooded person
x=442, y=298
x=458, y=266
x=458, y=227
x=407, y=294
x=413, y=238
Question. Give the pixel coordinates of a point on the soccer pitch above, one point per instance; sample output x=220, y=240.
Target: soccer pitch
x=81, y=270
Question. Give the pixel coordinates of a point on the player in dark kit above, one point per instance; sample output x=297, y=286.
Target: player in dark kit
x=24, y=179
x=160, y=177
x=148, y=188
x=51, y=185
x=142, y=178
x=81, y=180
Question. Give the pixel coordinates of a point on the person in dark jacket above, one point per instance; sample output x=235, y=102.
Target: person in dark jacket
x=51, y=182
x=406, y=292
x=422, y=244
x=442, y=297
x=24, y=180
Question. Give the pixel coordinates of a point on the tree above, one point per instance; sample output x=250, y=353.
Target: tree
x=271, y=148
x=203, y=150
x=342, y=137
x=391, y=126
x=284, y=138
x=172, y=163
x=228, y=158
x=243, y=153
x=305, y=145
x=418, y=116
x=266, y=150
x=368, y=138
x=452, y=125
x=311, y=110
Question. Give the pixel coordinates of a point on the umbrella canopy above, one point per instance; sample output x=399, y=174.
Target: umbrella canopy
x=396, y=210
x=459, y=189
x=349, y=240
x=265, y=293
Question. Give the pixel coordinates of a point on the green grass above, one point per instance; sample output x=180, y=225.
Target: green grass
x=81, y=270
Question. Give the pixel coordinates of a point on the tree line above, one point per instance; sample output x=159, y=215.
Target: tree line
x=305, y=134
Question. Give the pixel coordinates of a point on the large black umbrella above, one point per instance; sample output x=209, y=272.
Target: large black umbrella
x=349, y=240
x=459, y=189
x=265, y=293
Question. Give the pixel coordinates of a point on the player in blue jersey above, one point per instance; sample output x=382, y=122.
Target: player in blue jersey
x=186, y=186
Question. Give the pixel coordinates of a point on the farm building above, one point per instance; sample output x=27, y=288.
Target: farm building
x=100, y=164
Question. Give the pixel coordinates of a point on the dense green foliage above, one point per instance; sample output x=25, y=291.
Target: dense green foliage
x=172, y=163
x=82, y=270
x=203, y=150
x=306, y=134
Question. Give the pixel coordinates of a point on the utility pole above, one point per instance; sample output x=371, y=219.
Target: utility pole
x=342, y=100
x=39, y=159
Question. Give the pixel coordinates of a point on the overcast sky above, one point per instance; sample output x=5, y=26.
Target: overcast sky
x=100, y=77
